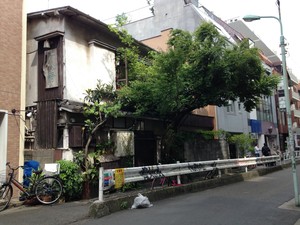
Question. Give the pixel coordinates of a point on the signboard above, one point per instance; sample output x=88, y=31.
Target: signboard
x=281, y=96
x=119, y=178
x=107, y=180
x=50, y=68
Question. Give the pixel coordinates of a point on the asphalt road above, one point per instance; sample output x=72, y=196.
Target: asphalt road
x=263, y=200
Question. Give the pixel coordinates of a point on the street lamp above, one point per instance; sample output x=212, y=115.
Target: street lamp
x=250, y=18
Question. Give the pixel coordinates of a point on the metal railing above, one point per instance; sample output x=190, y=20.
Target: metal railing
x=109, y=177
x=287, y=155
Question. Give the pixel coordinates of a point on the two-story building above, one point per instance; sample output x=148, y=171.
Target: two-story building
x=68, y=51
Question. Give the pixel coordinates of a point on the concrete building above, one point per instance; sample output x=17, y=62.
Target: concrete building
x=268, y=122
x=12, y=79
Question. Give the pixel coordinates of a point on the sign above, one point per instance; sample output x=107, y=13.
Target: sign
x=50, y=68
x=281, y=96
x=119, y=178
x=107, y=180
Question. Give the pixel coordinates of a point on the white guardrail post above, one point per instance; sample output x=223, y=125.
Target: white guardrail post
x=101, y=182
x=246, y=167
x=219, y=171
x=178, y=176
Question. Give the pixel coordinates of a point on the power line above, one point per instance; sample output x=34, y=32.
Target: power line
x=147, y=6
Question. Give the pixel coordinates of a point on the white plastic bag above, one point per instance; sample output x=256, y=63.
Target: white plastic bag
x=141, y=202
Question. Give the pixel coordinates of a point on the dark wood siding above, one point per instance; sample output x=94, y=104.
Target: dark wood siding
x=46, y=124
x=75, y=136
x=193, y=121
x=48, y=98
x=57, y=92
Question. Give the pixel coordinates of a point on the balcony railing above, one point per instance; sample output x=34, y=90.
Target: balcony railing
x=296, y=113
x=295, y=95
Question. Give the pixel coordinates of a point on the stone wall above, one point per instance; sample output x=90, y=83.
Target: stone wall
x=203, y=150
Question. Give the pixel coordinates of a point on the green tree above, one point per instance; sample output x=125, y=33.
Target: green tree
x=199, y=69
x=243, y=142
x=100, y=104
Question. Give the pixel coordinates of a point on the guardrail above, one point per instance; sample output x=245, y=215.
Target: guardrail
x=287, y=155
x=111, y=177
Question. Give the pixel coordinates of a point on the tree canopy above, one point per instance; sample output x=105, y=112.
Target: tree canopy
x=199, y=69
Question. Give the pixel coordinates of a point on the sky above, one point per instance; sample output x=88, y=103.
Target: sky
x=268, y=30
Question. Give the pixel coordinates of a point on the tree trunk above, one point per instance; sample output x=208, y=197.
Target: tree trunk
x=86, y=191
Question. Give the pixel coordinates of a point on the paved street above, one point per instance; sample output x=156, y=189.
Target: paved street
x=58, y=214
x=262, y=200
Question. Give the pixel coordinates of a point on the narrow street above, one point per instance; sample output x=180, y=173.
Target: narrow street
x=262, y=200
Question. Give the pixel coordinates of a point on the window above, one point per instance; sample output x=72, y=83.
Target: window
x=230, y=107
x=121, y=72
x=240, y=107
x=264, y=109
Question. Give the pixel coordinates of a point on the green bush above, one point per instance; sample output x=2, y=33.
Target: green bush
x=72, y=180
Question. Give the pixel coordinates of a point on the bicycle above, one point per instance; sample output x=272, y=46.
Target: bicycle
x=47, y=189
x=211, y=174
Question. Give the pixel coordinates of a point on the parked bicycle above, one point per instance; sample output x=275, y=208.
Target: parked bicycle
x=211, y=174
x=47, y=189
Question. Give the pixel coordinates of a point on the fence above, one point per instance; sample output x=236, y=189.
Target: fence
x=122, y=176
x=287, y=155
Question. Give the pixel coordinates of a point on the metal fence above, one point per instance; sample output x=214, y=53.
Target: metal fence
x=111, y=177
x=287, y=155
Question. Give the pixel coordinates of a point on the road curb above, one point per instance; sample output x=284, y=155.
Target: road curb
x=99, y=209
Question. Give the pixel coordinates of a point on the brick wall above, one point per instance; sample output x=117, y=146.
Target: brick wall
x=10, y=72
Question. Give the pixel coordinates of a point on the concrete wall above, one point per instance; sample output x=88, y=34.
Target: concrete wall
x=42, y=156
x=168, y=14
x=85, y=64
x=37, y=28
x=235, y=122
x=203, y=150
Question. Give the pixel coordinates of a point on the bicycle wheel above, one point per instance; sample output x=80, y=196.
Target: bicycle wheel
x=48, y=190
x=211, y=174
x=6, y=192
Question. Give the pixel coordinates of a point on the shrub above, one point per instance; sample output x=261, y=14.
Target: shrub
x=72, y=180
